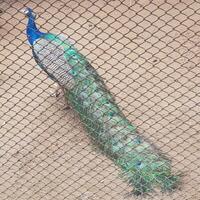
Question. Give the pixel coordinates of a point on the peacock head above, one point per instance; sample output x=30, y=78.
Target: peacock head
x=29, y=13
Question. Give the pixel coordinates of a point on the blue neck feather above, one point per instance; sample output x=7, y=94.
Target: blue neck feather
x=32, y=31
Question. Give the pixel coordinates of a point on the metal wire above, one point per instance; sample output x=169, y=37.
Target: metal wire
x=148, y=54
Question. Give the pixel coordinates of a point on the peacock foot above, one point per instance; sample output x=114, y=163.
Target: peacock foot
x=57, y=91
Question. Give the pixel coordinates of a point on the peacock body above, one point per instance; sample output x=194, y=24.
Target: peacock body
x=142, y=165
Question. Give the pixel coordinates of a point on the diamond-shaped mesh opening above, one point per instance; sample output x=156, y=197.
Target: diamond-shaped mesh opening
x=147, y=53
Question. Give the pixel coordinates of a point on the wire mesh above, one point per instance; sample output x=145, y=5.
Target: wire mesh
x=148, y=54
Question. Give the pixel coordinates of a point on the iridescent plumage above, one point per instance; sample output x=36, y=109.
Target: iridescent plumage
x=142, y=165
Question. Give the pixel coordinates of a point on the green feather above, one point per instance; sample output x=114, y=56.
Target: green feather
x=142, y=165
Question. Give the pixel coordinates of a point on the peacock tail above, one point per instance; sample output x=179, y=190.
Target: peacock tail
x=142, y=165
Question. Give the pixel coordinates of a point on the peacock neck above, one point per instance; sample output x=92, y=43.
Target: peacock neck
x=32, y=31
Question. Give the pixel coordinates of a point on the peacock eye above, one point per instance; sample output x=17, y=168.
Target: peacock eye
x=137, y=140
x=112, y=113
x=72, y=72
x=139, y=164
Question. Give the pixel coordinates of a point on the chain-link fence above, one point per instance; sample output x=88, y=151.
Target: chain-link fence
x=147, y=52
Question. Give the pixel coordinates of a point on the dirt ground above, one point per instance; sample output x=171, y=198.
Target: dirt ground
x=148, y=54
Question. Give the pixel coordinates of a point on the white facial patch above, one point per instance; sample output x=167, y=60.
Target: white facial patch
x=25, y=11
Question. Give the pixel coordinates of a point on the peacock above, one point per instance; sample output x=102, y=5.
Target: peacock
x=142, y=165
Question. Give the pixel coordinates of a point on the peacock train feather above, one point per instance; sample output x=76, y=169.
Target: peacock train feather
x=142, y=165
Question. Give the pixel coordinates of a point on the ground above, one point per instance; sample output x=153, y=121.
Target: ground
x=148, y=54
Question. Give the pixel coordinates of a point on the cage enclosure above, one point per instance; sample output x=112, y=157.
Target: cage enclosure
x=130, y=75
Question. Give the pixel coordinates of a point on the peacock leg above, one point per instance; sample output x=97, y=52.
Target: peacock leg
x=57, y=92
x=67, y=105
